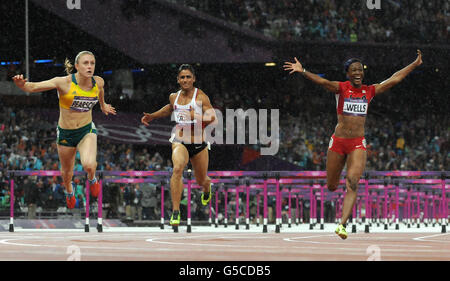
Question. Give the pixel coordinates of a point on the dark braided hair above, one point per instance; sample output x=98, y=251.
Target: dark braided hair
x=349, y=62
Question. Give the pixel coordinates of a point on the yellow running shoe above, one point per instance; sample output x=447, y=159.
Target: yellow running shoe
x=340, y=230
x=208, y=194
x=177, y=219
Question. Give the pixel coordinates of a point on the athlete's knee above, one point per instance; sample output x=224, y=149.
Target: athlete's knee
x=352, y=182
x=332, y=186
x=177, y=171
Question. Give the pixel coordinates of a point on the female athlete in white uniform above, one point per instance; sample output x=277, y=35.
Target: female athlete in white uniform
x=192, y=111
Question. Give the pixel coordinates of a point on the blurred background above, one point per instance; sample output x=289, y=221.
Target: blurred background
x=237, y=48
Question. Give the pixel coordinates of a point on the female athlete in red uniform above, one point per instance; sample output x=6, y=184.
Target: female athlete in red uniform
x=347, y=144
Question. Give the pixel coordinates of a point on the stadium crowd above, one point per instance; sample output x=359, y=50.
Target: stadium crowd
x=336, y=21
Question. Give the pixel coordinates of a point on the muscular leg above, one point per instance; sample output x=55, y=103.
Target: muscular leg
x=200, y=164
x=335, y=164
x=355, y=167
x=67, y=159
x=180, y=158
x=88, y=154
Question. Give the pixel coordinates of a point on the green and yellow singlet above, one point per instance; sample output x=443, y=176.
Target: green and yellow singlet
x=77, y=99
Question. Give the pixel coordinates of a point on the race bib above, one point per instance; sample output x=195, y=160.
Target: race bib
x=355, y=107
x=83, y=104
x=182, y=116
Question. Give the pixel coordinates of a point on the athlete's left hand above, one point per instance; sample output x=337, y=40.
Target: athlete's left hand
x=108, y=109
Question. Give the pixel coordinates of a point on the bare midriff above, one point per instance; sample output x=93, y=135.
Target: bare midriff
x=189, y=133
x=70, y=120
x=350, y=126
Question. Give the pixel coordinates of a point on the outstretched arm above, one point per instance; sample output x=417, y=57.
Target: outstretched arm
x=163, y=112
x=398, y=76
x=35, y=87
x=332, y=86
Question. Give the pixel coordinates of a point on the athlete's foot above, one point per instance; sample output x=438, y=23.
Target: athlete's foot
x=70, y=198
x=341, y=231
x=207, y=195
x=94, y=187
x=175, y=218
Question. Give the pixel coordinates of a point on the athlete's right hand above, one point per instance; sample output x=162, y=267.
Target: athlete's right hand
x=19, y=81
x=293, y=67
x=146, y=119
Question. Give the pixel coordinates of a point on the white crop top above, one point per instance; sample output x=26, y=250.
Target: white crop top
x=178, y=109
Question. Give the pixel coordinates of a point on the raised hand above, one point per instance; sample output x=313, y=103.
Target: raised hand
x=418, y=60
x=19, y=81
x=293, y=66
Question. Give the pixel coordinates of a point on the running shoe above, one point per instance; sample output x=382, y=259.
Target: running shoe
x=340, y=230
x=208, y=196
x=176, y=220
x=94, y=188
x=70, y=198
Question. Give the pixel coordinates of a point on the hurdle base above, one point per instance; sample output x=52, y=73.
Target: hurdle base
x=277, y=228
x=175, y=228
x=11, y=227
x=311, y=226
x=189, y=229
x=264, y=228
x=247, y=226
x=444, y=228
x=86, y=228
x=385, y=226
x=99, y=228
x=366, y=228
x=353, y=228
x=161, y=226
x=321, y=226
x=397, y=227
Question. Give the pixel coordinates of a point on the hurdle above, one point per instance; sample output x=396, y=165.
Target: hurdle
x=14, y=173
x=383, y=194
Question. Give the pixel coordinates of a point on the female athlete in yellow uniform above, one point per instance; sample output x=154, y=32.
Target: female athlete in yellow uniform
x=78, y=93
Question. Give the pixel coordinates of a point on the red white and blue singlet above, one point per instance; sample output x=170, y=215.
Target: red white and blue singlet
x=353, y=101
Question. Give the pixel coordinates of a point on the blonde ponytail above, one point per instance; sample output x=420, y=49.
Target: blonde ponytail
x=69, y=66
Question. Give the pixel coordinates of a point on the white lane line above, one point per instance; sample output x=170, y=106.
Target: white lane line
x=424, y=238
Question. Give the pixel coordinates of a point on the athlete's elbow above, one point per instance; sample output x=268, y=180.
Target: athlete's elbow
x=214, y=122
x=211, y=121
